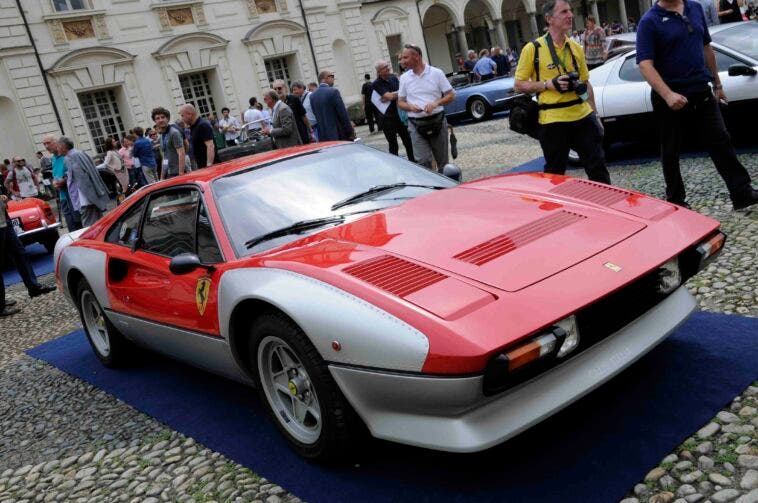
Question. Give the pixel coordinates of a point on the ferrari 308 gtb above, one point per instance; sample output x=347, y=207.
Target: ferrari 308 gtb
x=353, y=288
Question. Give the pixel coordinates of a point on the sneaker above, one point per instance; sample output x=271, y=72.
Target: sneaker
x=751, y=199
x=41, y=290
x=9, y=311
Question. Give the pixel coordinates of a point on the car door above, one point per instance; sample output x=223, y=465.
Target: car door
x=627, y=109
x=740, y=90
x=166, y=224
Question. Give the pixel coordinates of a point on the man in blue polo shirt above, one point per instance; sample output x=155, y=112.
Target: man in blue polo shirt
x=676, y=58
x=70, y=215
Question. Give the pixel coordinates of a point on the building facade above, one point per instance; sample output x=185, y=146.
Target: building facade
x=95, y=68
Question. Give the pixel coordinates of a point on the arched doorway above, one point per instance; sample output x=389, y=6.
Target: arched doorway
x=480, y=29
x=15, y=140
x=439, y=33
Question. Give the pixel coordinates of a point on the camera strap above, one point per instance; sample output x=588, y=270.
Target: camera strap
x=558, y=62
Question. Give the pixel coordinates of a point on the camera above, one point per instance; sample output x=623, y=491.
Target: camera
x=576, y=85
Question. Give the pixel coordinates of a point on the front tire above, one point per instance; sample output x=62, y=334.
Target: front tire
x=299, y=393
x=109, y=345
x=478, y=109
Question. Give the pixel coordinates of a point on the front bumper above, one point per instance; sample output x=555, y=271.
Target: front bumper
x=452, y=414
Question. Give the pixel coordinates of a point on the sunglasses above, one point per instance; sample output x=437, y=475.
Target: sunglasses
x=20, y=161
x=687, y=22
x=278, y=88
x=331, y=76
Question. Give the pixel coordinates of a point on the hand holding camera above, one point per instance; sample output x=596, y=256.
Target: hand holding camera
x=570, y=82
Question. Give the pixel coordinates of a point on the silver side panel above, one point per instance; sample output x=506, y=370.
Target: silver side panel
x=368, y=336
x=209, y=353
x=91, y=263
x=453, y=414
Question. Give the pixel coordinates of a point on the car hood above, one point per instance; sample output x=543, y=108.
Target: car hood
x=502, y=236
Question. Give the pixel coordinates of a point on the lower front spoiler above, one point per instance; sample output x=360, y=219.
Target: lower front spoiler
x=452, y=414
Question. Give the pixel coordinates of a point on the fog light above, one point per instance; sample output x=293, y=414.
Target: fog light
x=571, y=341
x=669, y=277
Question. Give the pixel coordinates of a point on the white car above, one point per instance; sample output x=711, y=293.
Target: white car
x=622, y=95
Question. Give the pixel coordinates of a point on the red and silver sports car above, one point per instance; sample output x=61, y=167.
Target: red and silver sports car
x=353, y=288
x=34, y=222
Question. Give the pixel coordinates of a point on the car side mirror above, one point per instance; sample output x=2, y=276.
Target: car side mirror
x=185, y=263
x=741, y=70
x=452, y=171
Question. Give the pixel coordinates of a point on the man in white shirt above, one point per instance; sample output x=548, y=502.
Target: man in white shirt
x=253, y=116
x=230, y=126
x=21, y=181
x=424, y=91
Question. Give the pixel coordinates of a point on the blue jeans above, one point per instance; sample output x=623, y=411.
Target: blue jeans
x=72, y=217
x=11, y=249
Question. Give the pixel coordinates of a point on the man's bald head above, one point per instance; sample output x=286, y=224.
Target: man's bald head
x=188, y=113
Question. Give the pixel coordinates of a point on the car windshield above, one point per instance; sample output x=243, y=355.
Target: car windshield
x=742, y=38
x=298, y=189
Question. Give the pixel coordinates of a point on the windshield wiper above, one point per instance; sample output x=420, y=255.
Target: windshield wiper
x=376, y=189
x=295, y=228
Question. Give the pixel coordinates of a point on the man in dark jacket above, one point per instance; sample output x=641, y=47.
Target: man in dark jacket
x=331, y=114
x=368, y=108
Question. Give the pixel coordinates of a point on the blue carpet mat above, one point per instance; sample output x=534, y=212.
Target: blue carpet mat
x=41, y=260
x=594, y=450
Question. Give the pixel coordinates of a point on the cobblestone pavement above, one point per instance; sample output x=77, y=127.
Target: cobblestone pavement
x=64, y=440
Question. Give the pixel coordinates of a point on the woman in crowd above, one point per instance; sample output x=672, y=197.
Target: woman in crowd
x=115, y=164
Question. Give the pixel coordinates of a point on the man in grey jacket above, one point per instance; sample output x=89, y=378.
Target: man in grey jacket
x=87, y=190
x=283, y=130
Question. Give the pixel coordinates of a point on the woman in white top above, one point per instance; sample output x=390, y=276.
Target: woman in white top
x=115, y=164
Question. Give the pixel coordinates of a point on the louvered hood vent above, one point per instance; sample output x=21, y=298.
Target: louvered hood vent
x=591, y=192
x=394, y=275
x=505, y=243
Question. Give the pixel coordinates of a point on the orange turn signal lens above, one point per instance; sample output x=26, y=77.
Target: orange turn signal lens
x=711, y=246
x=531, y=351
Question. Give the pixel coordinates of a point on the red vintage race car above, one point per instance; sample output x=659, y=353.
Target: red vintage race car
x=34, y=222
x=352, y=288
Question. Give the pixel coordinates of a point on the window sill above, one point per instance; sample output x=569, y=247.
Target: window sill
x=170, y=4
x=73, y=14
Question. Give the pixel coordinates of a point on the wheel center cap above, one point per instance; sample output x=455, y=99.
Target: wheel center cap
x=297, y=385
x=293, y=388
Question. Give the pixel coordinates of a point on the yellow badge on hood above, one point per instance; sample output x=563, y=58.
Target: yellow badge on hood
x=201, y=293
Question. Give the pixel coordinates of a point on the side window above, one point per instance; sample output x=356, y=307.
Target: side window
x=125, y=230
x=723, y=61
x=169, y=227
x=630, y=71
x=207, y=248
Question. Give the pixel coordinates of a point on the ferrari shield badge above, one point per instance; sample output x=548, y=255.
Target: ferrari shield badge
x=202, y=290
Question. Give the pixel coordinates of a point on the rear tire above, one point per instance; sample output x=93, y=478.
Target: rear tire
x=298, y=391
x=109, y=345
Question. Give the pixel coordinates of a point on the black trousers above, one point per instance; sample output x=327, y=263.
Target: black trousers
x=394, y=127
x=703, y=113
x=11, y=250
x=369, y=111
x=583, y=136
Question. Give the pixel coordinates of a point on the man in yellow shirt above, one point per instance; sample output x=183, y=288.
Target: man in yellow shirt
x=567, y=106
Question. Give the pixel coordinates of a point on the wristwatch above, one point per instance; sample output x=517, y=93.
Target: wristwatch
x=545, y=84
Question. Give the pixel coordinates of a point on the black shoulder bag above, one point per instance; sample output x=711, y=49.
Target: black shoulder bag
x=524, y=116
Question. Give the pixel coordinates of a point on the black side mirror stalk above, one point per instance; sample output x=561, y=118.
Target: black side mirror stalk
x=187, y=262
x=741, y=70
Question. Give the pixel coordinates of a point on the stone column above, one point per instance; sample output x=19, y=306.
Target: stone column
x=460, y=32
x=502, y=36
x=622, y=13
x=533, y=25
x=593, y=11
